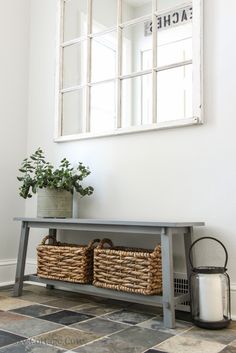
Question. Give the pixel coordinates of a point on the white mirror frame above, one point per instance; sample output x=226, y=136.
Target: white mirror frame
x=197, y=61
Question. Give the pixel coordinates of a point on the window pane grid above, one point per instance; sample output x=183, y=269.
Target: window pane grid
x=172, y=66
x=134, y=22
x=147, y=76
x=74, y=88
x=118, y=66
x=131, y=10
x=75, y=14
x=154, y=62
x=104, y=57
x=136, y=74
x=89, y=62
x=73, y=41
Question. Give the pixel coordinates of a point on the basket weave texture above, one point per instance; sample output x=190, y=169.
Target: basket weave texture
x=65, y=262
x=128, y=269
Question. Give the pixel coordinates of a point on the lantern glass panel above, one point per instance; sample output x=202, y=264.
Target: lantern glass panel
x=210, y=299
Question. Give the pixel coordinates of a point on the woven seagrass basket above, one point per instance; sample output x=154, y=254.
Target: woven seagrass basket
x=65, y=262
x=128, y=269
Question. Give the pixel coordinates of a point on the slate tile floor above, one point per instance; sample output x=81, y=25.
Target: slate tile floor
x=54, y=321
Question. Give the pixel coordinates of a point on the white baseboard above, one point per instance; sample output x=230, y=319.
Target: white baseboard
x=8, y=268
x=5, y=284
x=7, y=271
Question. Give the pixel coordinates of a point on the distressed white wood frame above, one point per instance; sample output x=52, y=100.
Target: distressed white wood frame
x=197, y=62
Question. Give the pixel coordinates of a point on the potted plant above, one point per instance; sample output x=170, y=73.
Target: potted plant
x=54, y=186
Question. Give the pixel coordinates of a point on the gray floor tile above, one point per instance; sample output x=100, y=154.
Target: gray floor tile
x=66, y=317
x=65, y=303
x=7, y=338
x=7, y=317
x=7, y=303
x=32, y=291
x=30, y=327
x=224, y=336
x=36, y=310
x=233, y=343
x=229, y=349
x=67, y=338
x=129, y=317
x=35, y=297
x=31, y=346
x=100, y=326
x=108, y=345
x=180, y=344
x=141, y=336
x=158, y=324
x=81, y=306
x=98, y=310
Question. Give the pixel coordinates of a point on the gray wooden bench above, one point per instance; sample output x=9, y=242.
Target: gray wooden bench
x=164, y=230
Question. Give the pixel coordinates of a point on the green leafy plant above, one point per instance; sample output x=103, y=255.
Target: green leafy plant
x=38, y=173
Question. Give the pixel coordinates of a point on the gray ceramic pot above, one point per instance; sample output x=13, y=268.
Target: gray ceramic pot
x=54, y=203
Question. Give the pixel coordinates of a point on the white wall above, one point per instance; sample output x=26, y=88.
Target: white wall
x=181, y=174
x=14, y=59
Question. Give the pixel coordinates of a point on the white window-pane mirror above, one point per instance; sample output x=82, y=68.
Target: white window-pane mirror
x=134, y=43
x=73, y=111
x=103, y=51
x=132, y=9
x=135, y=74
x=75, y=19
x=75, y=64
x=104, y=15
x=174, y=94
x=136, y=101
x=103, y=107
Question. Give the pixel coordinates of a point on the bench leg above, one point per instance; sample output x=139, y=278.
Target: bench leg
x=20, y=267
x=187, y=243
x=168, y=278
x=53, y=233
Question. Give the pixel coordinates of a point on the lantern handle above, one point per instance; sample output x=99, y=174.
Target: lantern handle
x=218, y=241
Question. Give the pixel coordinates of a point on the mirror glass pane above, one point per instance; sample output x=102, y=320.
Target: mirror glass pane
x=103, y=107
x=75, y=64
x=132, y=9
x=136, y=49
x=104, y=15
x=174, y=36
x=137, y=101
x=169, y=4
x=73, y=111
x=75, y=19
x=104, y=57
x=174, y=94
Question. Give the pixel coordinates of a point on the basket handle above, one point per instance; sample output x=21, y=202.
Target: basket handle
x=47, y=237
x=211, y=238
x=157, y=248
x=103, y=242
x=92, y=242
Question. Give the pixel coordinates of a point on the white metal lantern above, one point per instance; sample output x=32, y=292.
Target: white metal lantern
x=210, y=293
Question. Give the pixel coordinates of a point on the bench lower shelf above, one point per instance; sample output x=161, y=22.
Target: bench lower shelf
x=154, y=300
